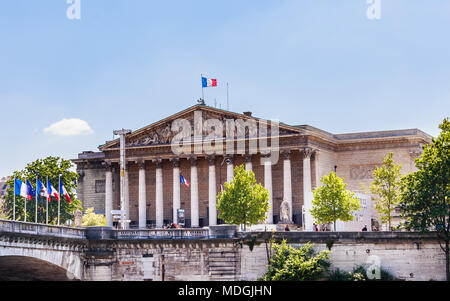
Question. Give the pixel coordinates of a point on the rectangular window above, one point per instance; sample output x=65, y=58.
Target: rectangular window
x=100, y=186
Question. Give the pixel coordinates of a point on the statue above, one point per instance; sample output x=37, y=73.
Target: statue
x=285, y=212
x=78, y=218
x=285, y=223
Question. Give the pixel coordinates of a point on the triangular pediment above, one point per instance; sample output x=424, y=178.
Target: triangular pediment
x=160, y=133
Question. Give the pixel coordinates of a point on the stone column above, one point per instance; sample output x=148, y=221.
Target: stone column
x=287, y=180
x=230, y=169
x=316, y=168
x=176, y=188
x=194, y=194
x=248, y=162
x=307, y=189
x=159, y=194
x=142, y=196
x=108, y=194
x=212, y=191
x=268, y=185
x=127, y=194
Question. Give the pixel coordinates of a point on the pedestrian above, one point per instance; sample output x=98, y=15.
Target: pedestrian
x=364, y=229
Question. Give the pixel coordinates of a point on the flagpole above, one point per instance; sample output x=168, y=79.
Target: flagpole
x=25, y=208
x=35, y=219
x=228, y=103
x=46, y=210
x=203, y=88
x=59, y=201
x=14, y=201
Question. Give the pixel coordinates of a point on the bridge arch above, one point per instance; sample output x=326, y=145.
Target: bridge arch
x=21, y=268
x=35, y=262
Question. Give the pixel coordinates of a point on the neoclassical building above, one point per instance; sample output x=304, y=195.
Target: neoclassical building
x=288, y=160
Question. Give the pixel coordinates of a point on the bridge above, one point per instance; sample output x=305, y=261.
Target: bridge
x=43, y=252
x=31, y=251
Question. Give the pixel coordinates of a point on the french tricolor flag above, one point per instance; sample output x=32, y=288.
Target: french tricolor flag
x=63, y=191
x=52, y=191
x=183, y=180
x=209, y=82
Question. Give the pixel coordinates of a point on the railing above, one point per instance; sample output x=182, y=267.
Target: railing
x=40, y=229
x=61, y=231
x=162, y=234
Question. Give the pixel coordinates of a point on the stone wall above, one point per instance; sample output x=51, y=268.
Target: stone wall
x=407, y=257
x=101, y=253
x=184, y=260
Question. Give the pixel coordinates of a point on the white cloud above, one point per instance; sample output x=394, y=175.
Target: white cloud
x=69, y=127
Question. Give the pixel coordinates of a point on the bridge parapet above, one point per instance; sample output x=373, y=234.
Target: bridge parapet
x=40, y=229
x=162, y=234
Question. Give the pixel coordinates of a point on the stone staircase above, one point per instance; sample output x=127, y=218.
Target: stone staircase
x=223, y=265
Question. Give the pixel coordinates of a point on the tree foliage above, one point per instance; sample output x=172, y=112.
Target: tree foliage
x=332, y=201
x=292, y=264
x=50, y=167
x=386, y=187
x=243, y=201
x=91, y=219
x=425, y=194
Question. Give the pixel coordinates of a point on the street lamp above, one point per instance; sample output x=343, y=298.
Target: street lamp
x=122, y=133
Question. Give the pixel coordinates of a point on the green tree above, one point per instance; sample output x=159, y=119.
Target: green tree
x=91, y=219
x=386, y=185
x=243, y=201
x=50, y=167
x=3, y=210
x=425, y=194
x=332, y=201
x=292, y=264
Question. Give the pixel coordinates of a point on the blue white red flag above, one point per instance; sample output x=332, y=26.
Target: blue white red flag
x=20, y=188
x=183, y=180
x=52, y=191
x=209, y=82
x=63, y=191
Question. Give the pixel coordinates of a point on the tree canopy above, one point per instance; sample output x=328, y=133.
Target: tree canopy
x=51, y=168
x=425, y=194
x=90, y=219
x=332, y=201
x=386, y=188
x=243, y=201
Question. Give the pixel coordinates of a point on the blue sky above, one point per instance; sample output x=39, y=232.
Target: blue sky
x=126, y=64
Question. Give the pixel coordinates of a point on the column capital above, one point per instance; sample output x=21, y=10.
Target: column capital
x=141, y=164
x=286, y=153
x=211, y=159
x=316, y=154
x=307, y=152
x=107, y=165
x=158, y=162
x=175, y=161
x=193, y=160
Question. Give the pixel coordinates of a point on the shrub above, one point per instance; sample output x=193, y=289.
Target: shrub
x=292, y=264
x=359, y=273
x=91, y=219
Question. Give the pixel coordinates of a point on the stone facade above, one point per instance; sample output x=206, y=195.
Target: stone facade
x=305, y=155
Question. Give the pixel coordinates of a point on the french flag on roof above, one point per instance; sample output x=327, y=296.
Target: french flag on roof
x=209, y=82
